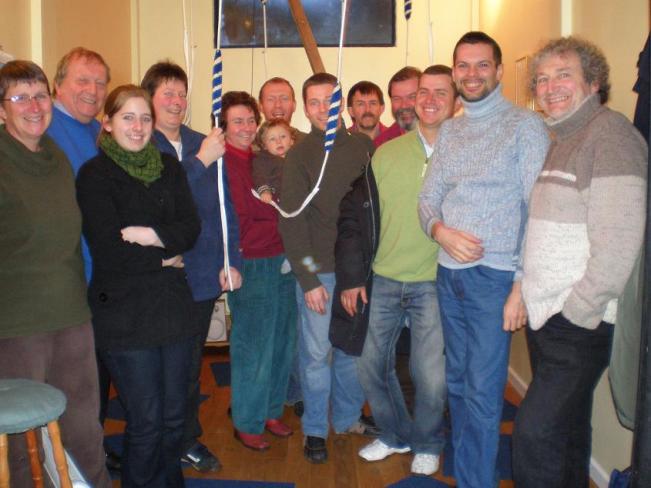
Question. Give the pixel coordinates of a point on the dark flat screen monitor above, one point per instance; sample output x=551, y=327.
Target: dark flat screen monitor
x=369, y=23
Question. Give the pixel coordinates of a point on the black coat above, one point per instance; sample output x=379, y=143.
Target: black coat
x=358, y=233
x=135, y=301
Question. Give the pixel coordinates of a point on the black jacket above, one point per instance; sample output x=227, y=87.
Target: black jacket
x=358, y=233
x=134, y=300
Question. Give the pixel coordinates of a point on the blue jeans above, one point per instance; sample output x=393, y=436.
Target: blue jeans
x=192, y=430
x=391, y=303
x=328, y=375
x=294, y=391
x=476, y=359
x=552, y=436
x=263, y=338
x=153, y=387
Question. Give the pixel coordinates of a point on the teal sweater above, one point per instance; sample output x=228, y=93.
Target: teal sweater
x=42, y=285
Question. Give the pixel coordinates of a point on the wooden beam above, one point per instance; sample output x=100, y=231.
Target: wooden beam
x=307, y=37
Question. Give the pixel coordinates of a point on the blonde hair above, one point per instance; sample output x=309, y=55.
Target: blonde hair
x=270, y=124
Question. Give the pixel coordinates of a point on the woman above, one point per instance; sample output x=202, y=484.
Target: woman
x=264, y=309
x=167, y=84
x=45, y=331
x=138, y=218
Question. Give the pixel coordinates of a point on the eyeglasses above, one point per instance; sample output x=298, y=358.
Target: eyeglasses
x=25, y=99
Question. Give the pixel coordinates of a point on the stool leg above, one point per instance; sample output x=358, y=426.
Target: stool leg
x=59, y=454
x=34, y=461
x=4, y=461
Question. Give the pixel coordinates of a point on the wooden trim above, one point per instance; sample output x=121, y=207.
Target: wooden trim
x=307, y=37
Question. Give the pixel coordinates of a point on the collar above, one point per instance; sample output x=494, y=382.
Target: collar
x=239, y=153
x=486, y=107
x=576, y=119
x=429, y=148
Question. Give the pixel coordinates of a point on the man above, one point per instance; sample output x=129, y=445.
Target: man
x=278, y=101
x=403, y=286
x=80, y=89
x=167, y=84
x=472, y=203
x=585, y=231
x=365, y=106
x=402, y=92
x=309, y=242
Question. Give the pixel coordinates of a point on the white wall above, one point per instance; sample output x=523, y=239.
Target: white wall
x=160, y=35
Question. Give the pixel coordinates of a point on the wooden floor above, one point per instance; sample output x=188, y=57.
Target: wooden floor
x=284, y=461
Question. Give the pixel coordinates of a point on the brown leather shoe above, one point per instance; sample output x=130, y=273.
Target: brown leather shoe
x=252, y=441
x=277, y=428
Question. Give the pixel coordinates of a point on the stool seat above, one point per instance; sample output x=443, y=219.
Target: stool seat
x=26, y=404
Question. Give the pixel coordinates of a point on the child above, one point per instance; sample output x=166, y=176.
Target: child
x=275, y=138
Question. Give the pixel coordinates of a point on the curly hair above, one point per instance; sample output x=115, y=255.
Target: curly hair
x=593, y=62
x=233, y=98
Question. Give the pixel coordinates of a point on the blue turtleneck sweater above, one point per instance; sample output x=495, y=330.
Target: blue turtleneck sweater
x=481, y=174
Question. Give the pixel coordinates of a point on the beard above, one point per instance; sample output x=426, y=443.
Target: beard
x=406, y=125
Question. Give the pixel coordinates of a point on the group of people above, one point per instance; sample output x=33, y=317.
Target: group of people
x=462, y=229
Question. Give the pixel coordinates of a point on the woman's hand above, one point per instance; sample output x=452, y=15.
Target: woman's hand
x=145, y=236
x=236, y=279
x=174, y=262
x=212, y=148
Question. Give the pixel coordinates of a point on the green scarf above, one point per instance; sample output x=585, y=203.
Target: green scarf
x=144, y=165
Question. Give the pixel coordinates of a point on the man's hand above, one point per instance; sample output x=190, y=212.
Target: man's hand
x=145, y=236
x=317, y=299
x=349, y=299
x=212, y=147
x=174, y=262
x=515, y=313
x=462, y=246
x=236, y=279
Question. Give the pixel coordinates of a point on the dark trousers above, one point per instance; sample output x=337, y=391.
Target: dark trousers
x=66, y=360
x=203, y=311
x=552, y=437
x=153, y=386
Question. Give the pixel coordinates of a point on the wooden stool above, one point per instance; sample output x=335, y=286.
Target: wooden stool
x=24, y=406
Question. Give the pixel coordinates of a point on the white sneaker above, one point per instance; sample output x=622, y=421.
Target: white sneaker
x=425, y=464
x=378, y=450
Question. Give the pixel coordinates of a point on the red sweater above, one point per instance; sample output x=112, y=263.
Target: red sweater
x=391, y=132
x=259, y=237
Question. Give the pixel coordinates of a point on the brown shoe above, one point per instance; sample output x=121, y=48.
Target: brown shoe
x=252, y=441
x=277, y=428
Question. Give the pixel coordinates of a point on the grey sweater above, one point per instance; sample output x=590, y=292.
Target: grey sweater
x=482, y=170
x=586, y=218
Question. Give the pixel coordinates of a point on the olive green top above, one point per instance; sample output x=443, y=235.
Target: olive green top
x=42, y=285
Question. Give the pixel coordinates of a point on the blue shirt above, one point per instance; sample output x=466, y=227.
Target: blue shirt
x=204, y=261
x=79, y=142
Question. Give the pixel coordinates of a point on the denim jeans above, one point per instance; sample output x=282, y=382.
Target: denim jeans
x=328, y=375
x=391, y=303
x=552, y=434
x=263, y=338
x=192, y=431
x=294, y=390
x=153, y=387
x=476, y=359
